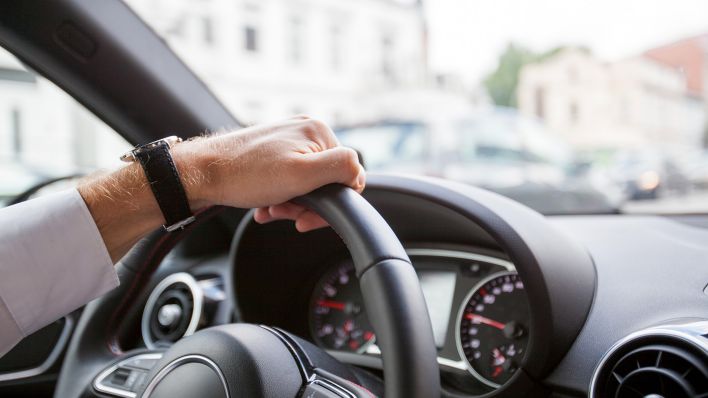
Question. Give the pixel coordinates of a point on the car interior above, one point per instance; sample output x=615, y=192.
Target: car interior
x=422, y=287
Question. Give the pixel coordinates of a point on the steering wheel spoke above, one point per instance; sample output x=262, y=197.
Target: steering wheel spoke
x=127, y=375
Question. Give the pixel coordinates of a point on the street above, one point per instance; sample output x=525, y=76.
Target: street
x=694, y=202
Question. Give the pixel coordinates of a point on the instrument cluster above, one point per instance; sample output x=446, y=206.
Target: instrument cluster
x=477, y=304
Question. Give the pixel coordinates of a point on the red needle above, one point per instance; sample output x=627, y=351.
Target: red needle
x=497, y=371
x=484, y=320
x=337, y=305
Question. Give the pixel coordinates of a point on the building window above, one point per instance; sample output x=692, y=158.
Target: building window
x=540, y=99
x=295, y=47
x=335, y=50
x=573, y=113
x=250, y=35
x=387, y=57
x=16, y=131
x=176, y=28
x=207, y=31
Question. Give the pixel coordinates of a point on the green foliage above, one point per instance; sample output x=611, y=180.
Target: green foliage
x=501, y=84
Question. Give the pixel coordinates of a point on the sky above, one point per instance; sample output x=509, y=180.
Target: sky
x=467, y=36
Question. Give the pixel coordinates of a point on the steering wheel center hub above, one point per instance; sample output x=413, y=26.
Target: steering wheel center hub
x=237, y=360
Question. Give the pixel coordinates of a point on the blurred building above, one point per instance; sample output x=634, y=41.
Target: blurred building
x=633, y=102
x=45, y=130
x=270, y=59
x=688, y=57
x=265, y=59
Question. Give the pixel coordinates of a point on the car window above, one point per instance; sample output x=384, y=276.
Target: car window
x=554, y=94
x=45, y=133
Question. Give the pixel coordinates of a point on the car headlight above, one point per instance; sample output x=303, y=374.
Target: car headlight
x=648, y=180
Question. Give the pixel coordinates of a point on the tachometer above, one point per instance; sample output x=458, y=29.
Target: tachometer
x=493, y=325
x=337, y=317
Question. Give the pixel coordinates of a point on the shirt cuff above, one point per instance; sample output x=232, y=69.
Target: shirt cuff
x=52, y=259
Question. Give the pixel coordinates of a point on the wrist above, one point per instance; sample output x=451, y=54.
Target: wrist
x=192, y=162
x=128, y=190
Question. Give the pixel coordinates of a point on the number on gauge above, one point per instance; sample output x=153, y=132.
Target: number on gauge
x=494, y=326
x=337, y=317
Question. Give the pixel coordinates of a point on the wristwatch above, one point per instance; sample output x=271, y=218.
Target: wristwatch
x=163, y=178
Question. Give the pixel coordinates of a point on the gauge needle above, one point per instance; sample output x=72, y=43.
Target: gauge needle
x=486, y=321
x=337, y=305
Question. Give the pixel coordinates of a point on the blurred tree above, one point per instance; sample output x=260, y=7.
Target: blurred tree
x=501, y=84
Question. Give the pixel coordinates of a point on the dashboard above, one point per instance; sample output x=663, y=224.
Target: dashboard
x=520, y=304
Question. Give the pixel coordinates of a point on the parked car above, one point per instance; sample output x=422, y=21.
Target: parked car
x=649, y=174
x=496, y=149
x=696, y=168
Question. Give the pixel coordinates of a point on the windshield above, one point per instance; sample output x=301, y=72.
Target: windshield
x=388, y=146
x=566, y=106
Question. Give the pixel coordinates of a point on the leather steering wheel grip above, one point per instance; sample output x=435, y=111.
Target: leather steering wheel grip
x=392, y=295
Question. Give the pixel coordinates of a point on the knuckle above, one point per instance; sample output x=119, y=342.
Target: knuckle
x=350, y=161
x=319, y=132
x=318, y=126
x=307, y=128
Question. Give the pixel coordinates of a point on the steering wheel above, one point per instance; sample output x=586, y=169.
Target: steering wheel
x=244, y=360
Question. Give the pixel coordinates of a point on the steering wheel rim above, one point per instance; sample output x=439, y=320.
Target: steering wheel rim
x=392, y=295
x=390, y=287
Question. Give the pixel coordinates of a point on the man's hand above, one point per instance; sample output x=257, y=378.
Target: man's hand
x=261, y=167
x=266, y=166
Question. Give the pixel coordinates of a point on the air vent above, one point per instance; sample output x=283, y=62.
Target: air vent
x=173, y=310
x=653, y=365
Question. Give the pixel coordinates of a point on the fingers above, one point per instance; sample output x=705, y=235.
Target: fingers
x=261, y=215
x=317, y=131
x=336, y=165
x=309, y=220
x=305, y=220
x=284, y=211
x=319, y=161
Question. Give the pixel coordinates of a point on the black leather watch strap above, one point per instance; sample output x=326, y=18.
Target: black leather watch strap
x=163, y=177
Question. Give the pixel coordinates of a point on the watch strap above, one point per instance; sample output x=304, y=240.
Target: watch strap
x=163, y=178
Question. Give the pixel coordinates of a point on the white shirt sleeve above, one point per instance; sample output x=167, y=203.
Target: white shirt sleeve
x=52, y=261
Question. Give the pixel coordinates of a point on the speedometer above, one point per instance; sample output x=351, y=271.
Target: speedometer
x=337, y=317
x=493, y=326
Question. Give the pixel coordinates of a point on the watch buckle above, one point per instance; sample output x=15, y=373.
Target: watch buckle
x=129, y=157
x=179, y=224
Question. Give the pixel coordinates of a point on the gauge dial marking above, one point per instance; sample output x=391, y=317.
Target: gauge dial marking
x=485, y=321
x=337, y=317
x=336, y=305
x=492, y=328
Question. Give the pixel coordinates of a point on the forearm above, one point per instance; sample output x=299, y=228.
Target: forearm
x=124, y=207
x=261, y=166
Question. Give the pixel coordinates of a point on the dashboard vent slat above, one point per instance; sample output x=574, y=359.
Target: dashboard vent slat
x=653, y=366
